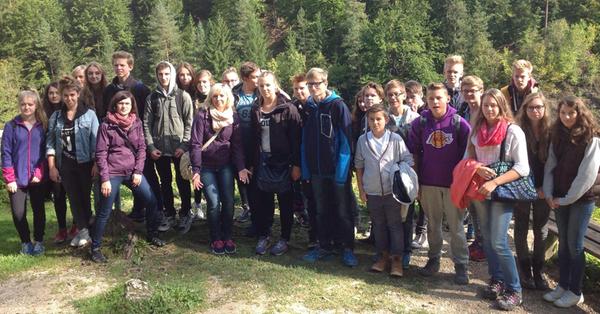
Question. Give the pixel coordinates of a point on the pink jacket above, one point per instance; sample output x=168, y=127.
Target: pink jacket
x=465, y=183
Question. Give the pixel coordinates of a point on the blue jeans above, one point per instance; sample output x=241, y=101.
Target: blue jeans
x=494, y=218
x=572, y=221
x=218, y=191
x=142, y=192
x=335, y=216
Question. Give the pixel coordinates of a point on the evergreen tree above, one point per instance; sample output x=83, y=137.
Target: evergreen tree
x=255, y=42
x=288, y=63
x=164, y=43
x=218, y=49
x=190, y=47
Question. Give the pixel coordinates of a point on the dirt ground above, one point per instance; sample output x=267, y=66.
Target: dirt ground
x=54, y=291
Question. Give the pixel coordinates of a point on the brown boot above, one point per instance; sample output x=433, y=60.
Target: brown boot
x=396, y=270
x=382, y=263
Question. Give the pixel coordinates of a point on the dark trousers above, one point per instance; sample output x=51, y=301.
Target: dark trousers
x=541, y=212
x=59, y=198
x=311, y=209
x=150, y=175
x=142, y=192
x=243, y=190
x=163, y=166
x=421, y=226
x=335, y=217
x=198, y=196
x=264, y=210
x=77, y=180
x=387, y=224
x=18, y=204
x=407, y=228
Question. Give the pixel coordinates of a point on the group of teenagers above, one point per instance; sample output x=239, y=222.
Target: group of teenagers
x=88, y=134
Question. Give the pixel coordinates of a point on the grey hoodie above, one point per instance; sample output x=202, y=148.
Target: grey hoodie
x=168, y=117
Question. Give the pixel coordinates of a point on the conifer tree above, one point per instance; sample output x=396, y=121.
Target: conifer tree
x=218, y=49
x=164, y=43
x=255, y=41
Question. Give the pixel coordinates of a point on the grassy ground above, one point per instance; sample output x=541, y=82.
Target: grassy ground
x=185, y=277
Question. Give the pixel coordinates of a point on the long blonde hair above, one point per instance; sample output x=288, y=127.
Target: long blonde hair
x=40, y=114
x=505, y=112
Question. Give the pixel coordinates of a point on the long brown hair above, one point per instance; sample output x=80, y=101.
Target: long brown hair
x=89, y=93
x=192, y=87
x=585, y=127
x=539, y=147
x=505, y=112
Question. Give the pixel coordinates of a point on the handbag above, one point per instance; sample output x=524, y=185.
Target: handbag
x=273, y=177
x=520, y=190
x=185, y=163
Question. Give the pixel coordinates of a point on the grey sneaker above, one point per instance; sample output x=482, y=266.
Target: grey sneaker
x=432, y=267
x=200, y=210
x=27, y=248
x=569, y=299
x=262, y=245
x=185, y=223
x=279, y=248
x=38, y=249
x=75, y=240
x=166, y=223
x=554, y=294
x=84, y=237
x=245, y=214
x=461, y=277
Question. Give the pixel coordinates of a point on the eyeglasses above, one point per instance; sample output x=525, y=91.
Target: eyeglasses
x=314, y=84
x=395, y=94
x=470, y=91
x=535, y=108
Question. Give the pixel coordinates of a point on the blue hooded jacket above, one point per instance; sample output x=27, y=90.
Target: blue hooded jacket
x=326, y=147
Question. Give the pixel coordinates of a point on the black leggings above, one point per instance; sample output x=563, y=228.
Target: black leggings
x=18, y=204
x=262, y=214
x=77, y=180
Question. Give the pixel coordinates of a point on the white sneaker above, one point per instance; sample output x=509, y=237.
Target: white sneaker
x=554, y=294
x=75, y=240
x=569, y=299
x=84, y=237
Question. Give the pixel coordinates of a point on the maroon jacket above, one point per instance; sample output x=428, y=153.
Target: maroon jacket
x=224, y=150
x=114, y=156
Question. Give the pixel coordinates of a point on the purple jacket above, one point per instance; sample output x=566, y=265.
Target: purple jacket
x=23, y=152
x=113, y=155
x=438, y=145
x=224, y=150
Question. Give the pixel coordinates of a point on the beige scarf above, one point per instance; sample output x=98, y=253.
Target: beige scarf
x=221, y=119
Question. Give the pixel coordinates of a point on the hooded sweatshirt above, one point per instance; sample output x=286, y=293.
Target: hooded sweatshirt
x=23, y=152
x=438, y=146
x=326, y=147
x=515, y=97
x=168, y=117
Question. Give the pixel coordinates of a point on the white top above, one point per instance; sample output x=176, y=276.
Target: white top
x=378, y=144
x=515, y=150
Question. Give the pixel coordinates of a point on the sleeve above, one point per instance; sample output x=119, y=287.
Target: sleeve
x=548, y=185
x=140, y=157
x=294, y=129
x=102, y=143
x=188, y=117
x=254, y=138
x=40, y=167
x=303, y=160
x=344, y=149
x=93, y=133
x=148, y=122
x=8, y=170
x=197, y=138
x=414, y=137
x=586, y=174
x=518, y=151
x=405, y=155
x=237, y=150
x=359, y=159
x=51, y=135
x=463, y=139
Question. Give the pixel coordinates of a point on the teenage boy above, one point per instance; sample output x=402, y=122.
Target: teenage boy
x=414, y=99
x=244, y=95
x=326, y=153
x=521, y=84
x=472, y=89
x=122, y=62
x=301, y=94
x=453, y=73
x=167, y=130
x=438, y=141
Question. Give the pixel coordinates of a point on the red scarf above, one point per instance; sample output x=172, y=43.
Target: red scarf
x=493, y=137
x=123, y=122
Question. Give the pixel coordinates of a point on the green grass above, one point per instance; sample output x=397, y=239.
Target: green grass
x=596, y=215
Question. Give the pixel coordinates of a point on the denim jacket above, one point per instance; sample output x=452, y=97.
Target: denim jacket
x=86, y=129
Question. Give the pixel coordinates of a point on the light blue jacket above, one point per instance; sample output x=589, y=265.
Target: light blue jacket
x=86, y=129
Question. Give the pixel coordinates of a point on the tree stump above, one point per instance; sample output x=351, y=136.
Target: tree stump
x=119, y=224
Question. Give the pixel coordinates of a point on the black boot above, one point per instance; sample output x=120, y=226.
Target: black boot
x=526, y=275
x=538, y=276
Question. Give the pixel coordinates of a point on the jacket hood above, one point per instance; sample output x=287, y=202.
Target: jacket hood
x=172, y=81
x=333, y=96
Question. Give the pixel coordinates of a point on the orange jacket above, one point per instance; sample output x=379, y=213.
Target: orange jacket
x=465, y=183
